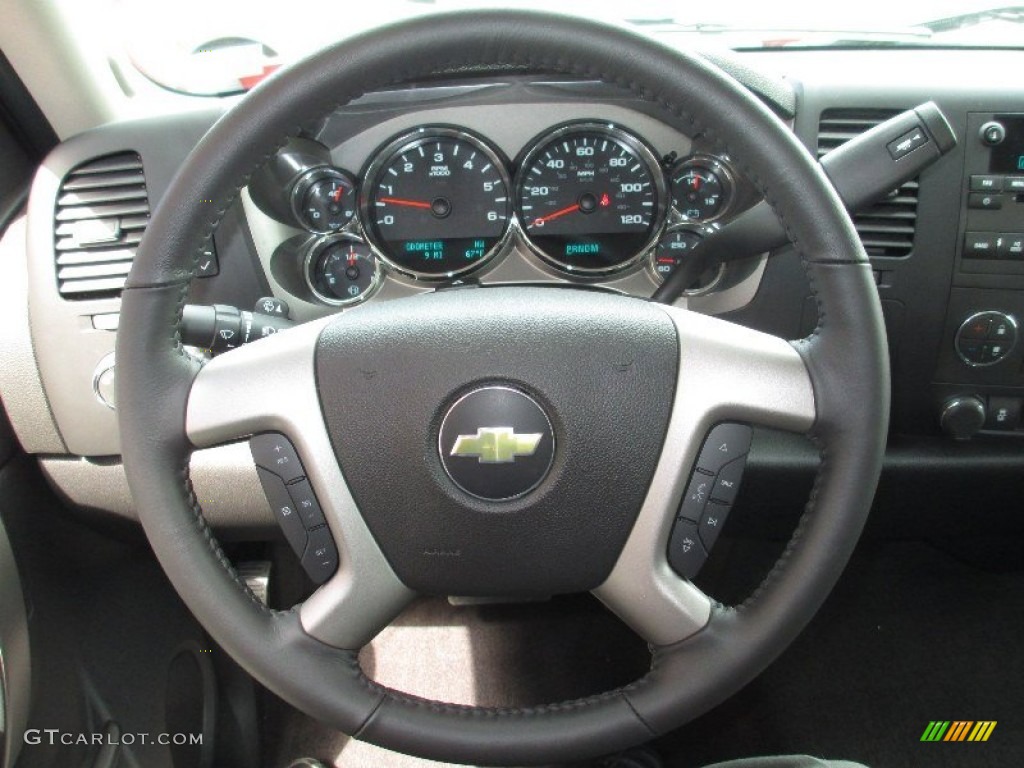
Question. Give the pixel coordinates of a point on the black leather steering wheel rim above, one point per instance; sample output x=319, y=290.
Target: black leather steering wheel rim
x=846, y=358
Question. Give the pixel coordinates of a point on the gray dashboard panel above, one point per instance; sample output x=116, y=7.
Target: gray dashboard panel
x=224, y=479
x=66, y=344
x=960, y=81
x=21, y=388
x=68, y=347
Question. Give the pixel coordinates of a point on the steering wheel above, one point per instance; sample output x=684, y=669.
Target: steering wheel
x=622, y=394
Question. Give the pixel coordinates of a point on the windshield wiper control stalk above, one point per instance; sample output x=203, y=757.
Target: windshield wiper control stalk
x=862, y=170
x=222, y=327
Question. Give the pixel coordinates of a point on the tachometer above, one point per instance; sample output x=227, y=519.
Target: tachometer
x=590, y=198
x=436, y=203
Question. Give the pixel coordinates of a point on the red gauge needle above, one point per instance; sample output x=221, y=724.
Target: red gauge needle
x=338, y=193
x=408, y=203
x=540, y=220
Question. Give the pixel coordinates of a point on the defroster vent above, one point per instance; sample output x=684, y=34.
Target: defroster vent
x=887, y=228
x=102, y=211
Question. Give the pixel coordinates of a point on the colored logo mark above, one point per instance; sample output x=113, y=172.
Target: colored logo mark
x=958, y=730
x=496, y=445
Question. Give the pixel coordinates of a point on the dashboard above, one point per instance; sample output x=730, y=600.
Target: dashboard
x=586, y=200
x=521, y=178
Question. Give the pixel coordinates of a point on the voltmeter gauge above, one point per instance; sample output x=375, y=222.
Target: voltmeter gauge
x=342, y=270
x=701, y=188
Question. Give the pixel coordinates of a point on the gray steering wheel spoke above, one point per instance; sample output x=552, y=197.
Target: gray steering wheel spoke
x=270, y=386
x=731, y=373
x=727, y=373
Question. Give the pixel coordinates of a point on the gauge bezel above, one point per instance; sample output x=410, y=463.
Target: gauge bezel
x=305, y=181
x=404, y=143
x=652, y=254
x=312, y=253
x=536, y=145
x=717, y=166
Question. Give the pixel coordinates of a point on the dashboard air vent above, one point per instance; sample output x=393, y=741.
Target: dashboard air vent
x=102, y=211
x=887, y=228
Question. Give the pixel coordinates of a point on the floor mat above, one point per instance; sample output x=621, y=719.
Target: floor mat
x=487, y=655
x=910, y=635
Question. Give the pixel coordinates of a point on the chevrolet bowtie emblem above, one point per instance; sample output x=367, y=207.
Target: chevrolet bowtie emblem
x=496, y=445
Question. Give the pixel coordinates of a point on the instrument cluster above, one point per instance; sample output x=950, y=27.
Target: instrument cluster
x=589, y=199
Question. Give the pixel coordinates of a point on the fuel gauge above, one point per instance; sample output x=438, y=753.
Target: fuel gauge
x=324, y=199
x=342, y=270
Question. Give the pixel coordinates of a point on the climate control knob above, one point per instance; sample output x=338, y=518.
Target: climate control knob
x=963, y=416
x=986, y=338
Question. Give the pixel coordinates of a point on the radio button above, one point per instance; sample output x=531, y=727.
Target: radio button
x=1011, y=246
x=986, y=183
x=979, y=245
x=984, y=201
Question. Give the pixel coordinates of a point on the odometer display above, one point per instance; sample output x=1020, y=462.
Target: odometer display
x=590, y=198
x=436, y=203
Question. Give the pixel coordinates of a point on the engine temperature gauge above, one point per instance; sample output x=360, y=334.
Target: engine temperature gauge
x=341, y=270
x=672, y=250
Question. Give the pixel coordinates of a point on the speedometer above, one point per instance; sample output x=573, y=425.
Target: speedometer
x=590, y=198
x=436, y=203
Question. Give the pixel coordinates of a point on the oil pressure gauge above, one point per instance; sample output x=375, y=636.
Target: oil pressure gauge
x=341, y=270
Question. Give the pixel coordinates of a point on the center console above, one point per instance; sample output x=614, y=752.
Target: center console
x=980, y=371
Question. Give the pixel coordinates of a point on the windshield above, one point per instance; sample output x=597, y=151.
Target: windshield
x=218, y=48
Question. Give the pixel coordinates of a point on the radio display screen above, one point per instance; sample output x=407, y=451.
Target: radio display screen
x=1008, y=157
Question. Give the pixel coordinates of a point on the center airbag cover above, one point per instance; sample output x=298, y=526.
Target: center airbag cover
x=603, y=369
